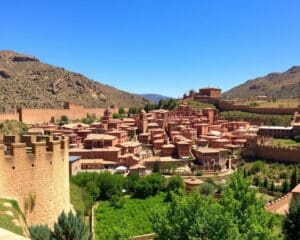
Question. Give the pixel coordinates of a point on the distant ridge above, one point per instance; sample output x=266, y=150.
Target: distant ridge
x=278, y=85
x=27, y=82
x=154, y=97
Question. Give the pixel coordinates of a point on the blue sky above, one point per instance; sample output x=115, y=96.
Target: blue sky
x=157, y=46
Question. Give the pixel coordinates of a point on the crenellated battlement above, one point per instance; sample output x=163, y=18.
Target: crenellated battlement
x=30, y=144
x=36, y=165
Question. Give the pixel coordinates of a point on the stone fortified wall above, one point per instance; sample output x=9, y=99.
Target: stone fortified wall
x=279, y=203
x=225, y=105
x=72, y=111
x=284, y=154
x=37, y=168
x=9, y=116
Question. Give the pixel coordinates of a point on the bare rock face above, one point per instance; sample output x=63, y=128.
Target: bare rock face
x=4, y=73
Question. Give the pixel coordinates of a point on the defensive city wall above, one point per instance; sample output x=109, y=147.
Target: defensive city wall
x=214, y=96
x=275, y=153
x=34, y=171
x=226, y=105
x=72, y=111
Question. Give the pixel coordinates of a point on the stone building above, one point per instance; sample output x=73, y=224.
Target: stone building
x=36, y=174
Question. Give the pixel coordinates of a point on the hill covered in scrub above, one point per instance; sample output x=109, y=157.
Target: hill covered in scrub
x=27, y=82
x=279, y=85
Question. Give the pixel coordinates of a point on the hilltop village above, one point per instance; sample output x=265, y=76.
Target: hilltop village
x=184, y=141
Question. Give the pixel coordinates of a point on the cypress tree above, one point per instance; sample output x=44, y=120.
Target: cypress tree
x=285, y=186
x=294, y=178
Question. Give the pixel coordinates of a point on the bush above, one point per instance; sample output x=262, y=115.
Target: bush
x=143, y=189
x=117, y=115
x=132, y=180
x=13, y=127
x=149, y=185
x=175, y=184
x=256, y=167
x=67, y=227
x=121, y=111
x=297, y=138
x=207, y=188
x=117, y=202
x=40, y=232
x=64, y=119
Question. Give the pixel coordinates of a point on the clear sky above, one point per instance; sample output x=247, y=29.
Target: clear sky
x=157, y=46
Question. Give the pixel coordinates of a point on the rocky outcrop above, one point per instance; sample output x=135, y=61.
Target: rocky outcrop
x=4, y=74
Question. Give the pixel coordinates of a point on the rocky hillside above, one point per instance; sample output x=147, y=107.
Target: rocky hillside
x=279, y=85
x=27, y=82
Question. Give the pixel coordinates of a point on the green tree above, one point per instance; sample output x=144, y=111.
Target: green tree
x=246, y=211
x=121, y=111
x=143, y=189
x=93, y=189
x=156, y=167
x=266, y=183
x=272, y=188
x=64, y=119
x=133, y=110
x=256, y=181
x=175, y=186
x=132, y=180
x=40, y=232
x=294, y=178
x=285, y=187
x=70, y=227
x=297, y=138
x=193, y=217
x=291, y=224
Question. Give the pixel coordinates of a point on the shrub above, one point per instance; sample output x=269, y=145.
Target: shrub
x=297, y=138
x=207, y=188
x=40, y=232
x=117, y=201
x=143, y=189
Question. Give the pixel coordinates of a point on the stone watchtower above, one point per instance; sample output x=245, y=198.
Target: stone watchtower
x=251, y=146
x=34, y=171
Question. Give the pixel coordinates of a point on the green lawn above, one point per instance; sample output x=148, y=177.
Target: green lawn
x=200, y=105
x=79, y=199
x=131, y=220
x=6, y=221
x=284, y=142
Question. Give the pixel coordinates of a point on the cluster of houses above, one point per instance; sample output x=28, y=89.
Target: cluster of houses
x=182, y=137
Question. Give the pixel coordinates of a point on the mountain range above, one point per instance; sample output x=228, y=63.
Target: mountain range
x=155, y=98
x=27, y=82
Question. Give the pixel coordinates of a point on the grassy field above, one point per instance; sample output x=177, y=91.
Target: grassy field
x=79, y=199
x=280, y=103
x=10, y=222
x=200, y=105
x=285, y=142
x=130, y=220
